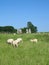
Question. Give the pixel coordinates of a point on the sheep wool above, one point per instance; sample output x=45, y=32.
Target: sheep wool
x=34, y=40
x=10, y=41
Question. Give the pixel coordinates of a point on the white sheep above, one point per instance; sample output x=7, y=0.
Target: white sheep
x=34, y=40
x=10, y=41
x=14, y=33
x=17, y=41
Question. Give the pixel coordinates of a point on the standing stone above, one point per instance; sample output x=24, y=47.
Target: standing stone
x=19, y=31
x=29, y=30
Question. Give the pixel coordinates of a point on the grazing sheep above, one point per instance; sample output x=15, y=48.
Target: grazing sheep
x=10, y=41
x=14, y=33
x=34, y=40
x=17, y=41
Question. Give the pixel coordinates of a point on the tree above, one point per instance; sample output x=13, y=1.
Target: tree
x=32, y=27
x=8, y=29
x=24, y=29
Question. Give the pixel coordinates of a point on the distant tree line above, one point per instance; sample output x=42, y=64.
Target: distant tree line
x=7, y=29
x=11, y=29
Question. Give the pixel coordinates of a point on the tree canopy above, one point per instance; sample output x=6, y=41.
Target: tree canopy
x=7, y=29
x=32, y=27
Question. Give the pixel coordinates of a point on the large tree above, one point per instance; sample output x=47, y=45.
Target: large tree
x=32, y=27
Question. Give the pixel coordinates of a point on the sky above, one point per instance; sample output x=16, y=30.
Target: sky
x=17, y=13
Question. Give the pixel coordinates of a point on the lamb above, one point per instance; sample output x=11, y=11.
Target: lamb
x=34, y=40
x=10, y=41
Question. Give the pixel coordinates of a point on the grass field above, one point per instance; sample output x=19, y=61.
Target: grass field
x=27, y=53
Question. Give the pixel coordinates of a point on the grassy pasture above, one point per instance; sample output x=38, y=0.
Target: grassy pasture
x=27, y=53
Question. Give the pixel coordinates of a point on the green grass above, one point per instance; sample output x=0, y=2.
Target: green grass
x=27, y=53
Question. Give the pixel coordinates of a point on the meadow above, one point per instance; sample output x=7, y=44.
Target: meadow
x=27, y=53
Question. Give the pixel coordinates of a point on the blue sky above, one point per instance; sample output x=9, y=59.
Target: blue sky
x=18, y=12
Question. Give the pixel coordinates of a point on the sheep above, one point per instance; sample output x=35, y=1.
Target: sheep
x=19, y=40
x=16, y=42
x=34, y=40
x=14, y=33
x=10, y=41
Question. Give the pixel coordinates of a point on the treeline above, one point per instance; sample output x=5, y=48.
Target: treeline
x=11, y=29
x=7, y=29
